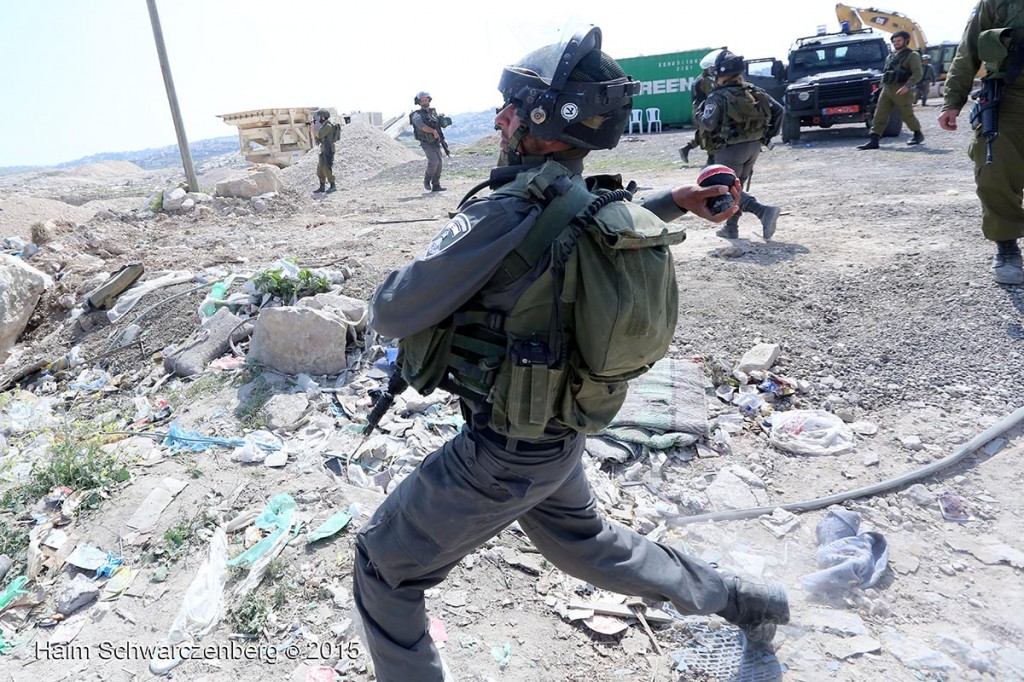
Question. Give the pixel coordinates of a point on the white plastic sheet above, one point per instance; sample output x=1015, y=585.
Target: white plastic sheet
x=810, y=432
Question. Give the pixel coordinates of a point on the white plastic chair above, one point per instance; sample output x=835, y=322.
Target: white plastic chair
x=653, y=118
x=636, y=117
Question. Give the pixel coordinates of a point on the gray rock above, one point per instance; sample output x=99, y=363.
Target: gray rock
x=174, y=199
x=760, y=357
x=911, y=442
x=21, y=285
x=265, y=179
x=285, y=409
x=78, y=593
x=309, y=337
x=921, y=496
x=193, y=360
x=729, y=491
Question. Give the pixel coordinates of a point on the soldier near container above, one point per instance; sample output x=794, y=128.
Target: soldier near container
x=426, y=128
x=326, y=136
x=699, y=92
x=927, y=78
x=735, y=120
x=485, y=285
x=994, y=37
x=900, y=77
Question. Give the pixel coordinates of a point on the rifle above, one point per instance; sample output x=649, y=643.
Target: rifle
x=444, y=143
x=384, y=398
x=985, y=112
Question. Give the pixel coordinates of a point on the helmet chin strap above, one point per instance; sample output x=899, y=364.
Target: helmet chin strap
x=514, y=156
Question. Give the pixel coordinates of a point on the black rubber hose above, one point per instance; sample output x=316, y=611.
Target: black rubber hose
x=967, y=448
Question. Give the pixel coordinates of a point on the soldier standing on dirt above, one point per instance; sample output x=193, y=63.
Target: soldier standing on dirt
x=562, y=101
x=900, y=77
x=736, y=119
x=987, y=40
x=927, y=78
x=699, y=92
x=426, y=128
x=326, y=134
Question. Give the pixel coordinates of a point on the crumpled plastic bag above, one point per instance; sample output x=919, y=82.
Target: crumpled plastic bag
x=277, y=517
x=810, y=432
x=847, y=559
x=203, y=605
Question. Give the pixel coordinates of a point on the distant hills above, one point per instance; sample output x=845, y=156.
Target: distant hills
x=465, y=129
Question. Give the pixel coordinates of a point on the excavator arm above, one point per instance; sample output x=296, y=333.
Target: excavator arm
x=883, y=20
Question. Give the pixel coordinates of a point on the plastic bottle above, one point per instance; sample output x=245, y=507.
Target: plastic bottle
x=216, y=295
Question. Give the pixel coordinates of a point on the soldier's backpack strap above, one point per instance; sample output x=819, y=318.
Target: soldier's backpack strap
x=563, y=199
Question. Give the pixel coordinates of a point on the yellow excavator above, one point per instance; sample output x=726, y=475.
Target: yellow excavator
x=883, y=20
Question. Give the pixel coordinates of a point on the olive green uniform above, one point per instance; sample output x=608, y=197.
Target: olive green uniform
x=1000, y=183
x=902, y=68
x=699, y=92
x=325, y=165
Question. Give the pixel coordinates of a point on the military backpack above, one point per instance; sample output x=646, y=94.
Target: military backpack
x=592, y=303
x=747, y=115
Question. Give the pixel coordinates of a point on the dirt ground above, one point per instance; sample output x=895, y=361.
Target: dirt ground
x=876, y=286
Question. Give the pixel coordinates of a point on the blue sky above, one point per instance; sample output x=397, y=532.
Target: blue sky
x=80, y=77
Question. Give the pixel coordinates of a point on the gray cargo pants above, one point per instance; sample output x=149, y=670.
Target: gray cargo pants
x=434, y=162
x=465, y=493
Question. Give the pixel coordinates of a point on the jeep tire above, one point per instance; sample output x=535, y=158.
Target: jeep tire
x=894, y=125
x=790, y=128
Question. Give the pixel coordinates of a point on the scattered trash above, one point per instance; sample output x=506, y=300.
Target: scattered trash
x=953, y=508
x=779, y=522
x=146, y=516
x=13, y=591
x=329, y=527
x=110, y=565
x=203, y=604
x=276, y=517
x=810, y=432
x=87, y=557
x=120, y=581
x=502, y=655
x=179, y=439
x=437, y=632
x=847, y=559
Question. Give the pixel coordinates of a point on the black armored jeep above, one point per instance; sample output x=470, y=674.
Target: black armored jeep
x=832, y=78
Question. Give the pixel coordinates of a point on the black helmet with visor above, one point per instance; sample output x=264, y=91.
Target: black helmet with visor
x=571, y=92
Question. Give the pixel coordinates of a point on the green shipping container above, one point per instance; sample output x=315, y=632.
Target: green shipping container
x=665, y=81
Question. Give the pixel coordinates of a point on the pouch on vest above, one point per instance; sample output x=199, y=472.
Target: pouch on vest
x=621, y=283
x=423, y=356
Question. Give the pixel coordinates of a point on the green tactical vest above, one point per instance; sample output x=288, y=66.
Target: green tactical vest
x=598, y=306
x=896, y=69
x=747, y=115
x=996, y=46
x=430, y=117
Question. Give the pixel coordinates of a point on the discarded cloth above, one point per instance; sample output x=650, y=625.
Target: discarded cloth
x=664, y=408
x=180, y=439
x=847, y=559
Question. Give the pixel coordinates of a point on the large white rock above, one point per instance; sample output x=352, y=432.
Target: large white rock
x=260, y=181
x=174, y=199
x=309, y=337
x=20, y=288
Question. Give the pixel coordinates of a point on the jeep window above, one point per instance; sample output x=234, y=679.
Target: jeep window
x=821, y=58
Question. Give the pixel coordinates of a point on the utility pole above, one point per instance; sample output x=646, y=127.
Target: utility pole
x=179, y=127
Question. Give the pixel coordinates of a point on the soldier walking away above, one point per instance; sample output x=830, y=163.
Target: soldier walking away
x=426, y=127
x=736, y=119
x=326, y=136
x=492, y=282
x=900, y=77
x=699, y=92
x=924, y=86
x=994, y=37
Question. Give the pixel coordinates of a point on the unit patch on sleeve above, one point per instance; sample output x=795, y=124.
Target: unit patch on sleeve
x=457, y=228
